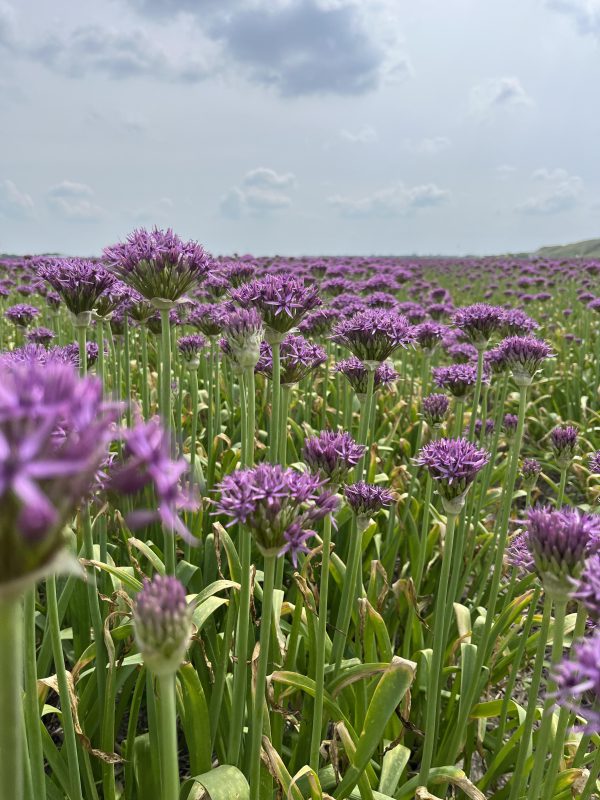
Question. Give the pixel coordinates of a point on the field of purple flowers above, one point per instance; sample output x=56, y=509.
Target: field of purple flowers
x=298, y=528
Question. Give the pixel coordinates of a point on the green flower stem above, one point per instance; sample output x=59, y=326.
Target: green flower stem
x=365, y=418
x=194, y=429
x=275, y=401
x=284, y=408
x=543, y=739
x=261, y=676
x=216, y=696
x=561, y=487
x=458, y=417
x=63, y=691
x=477, y=394
x=11, y=714
x=217, y=412
x=102, y=532
x=317, y=723
x=127, y=357
x=250, y=410
x=94, y=606
x=32, y=706
x=165, y=409
x=348, y=593
x=81, y=340
x=210, y=412
x=144, y=376
x=437, y=656
x=167, y=727
x=590, y=785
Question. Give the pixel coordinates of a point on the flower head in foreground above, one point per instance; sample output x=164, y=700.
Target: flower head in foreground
x=279, y=506
x=298, y=358
x=147, y=461
x=190, y=347
x=40, y=336
x=243, y=330
x=366, y=499
x=563, y=440
x=578, y=682
x=79, y=282
x=22, y=314
x=373, y=335
x=54, y=434
x=163, y=624
x=453, y=464
x=559, y=541
x=435, y=409
x=281, y=300
x=358, y=375
x=332, y=455
x=587, y=587
x=158, y=264
x=457, y=378
x=478, y=322
x=523, y=355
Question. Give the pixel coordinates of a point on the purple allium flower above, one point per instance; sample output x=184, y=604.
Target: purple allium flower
x=518, y=553
x=516, y=322
x=435, y=409
x=139, y=309
x=366, y=499
x=461, y=352
x=478, y=322
x=530, y=470
x=278, y=505
x=578, y=682
x=357, y=374
x=21, y=314
x=454, y=465
x=563, y=440
x=429, y=334
x=559, y=541
x=587, y=587
x=510, y=423
x=298, y=357
x=40, y=336
x=479, y=427
x=116, y=296
x=216, y=285
x=372, y=336
x=594, y=462
x=332, y=455
x=79, y=282
x=54, y=434
x=190, y=347
x=438, y=311
x=319, y=322
x=281, y=300
x=163, y=624
x=457, y=378
x=147, y=462
x=523, y=355
x=53, y=300
x=158, y=264
x=237, y=272
x=209, y=318
x=243, y=330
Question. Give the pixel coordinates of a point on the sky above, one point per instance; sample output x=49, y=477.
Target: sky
x=300, y=126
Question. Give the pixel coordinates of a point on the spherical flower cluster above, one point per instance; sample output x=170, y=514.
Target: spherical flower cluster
x=298, y=358
x=523, y=355
x=21, y=314
x=435, y=409
x=510, y=423
x=163, y=624
x=319, y=322
x=236, y=272
x=487, y=429
x=190, y=347
x=366, y=499
x=578, y=682
x=280, y=506
x=54, y=433
x=158, y=264
x=587, y=587
x=332, y=455
x=460, y=352
x=358, y=376
x=457, y=378
x=516, y=322
x=453, y=464
x=243, y=329
x=563, y=440
x=594, y=462
x=530, y=470
x=281, y=300
x=429, y=334
x=118, y=295
x=40, y=336
x=79, y=282
x=208, y=318
x=478, y=322
x=372, y=336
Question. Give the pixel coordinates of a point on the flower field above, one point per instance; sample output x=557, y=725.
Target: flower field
x=298, y=528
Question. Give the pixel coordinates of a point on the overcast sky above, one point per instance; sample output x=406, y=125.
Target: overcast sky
x=300, y=126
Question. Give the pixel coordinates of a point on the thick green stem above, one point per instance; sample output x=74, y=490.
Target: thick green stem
x=458, y=417
x=194, y=430
x=317, y=724
x=365, y=418
x=32, y=707
x=165, y=410
x=261, y=675
x=275, y=401
x=348, y=591
x=284, y=408
x=127, y=366
x=144, y=377
x=477, y=394
x=11, y=738
x=592, y=780
x=250, y=412
x=167, y=721
x=561, y=488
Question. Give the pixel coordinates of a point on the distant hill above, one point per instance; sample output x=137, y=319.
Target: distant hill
x=590, y=248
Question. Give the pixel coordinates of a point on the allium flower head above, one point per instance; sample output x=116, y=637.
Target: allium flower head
x=457, y=378
x=523, y=355
x=79, y=282
x=40, y=336
x=190, y=347
x=587, y=587
x=54, y=434
x=281, y=300
x=357, y=374
x=208, y=318
x=559, y=541
x=429, y=334
x=518, y=553
x=366, y=499
x=243, y=329
x=478, y=322
x=461, y=352
x=516, y=322
x=163, y=624
x=319, y=322
x=298, y=358
x=530, y=470
x=237, y=272
x=117, y=295
x=510, y=423
x=332, y=455
x=578, y=682
x=372, y=335
x=563, y=440
x=158, y=264
x=279, y=506
x=453, y=464
x=594, y=462
x=21, y=314
x=435, y=409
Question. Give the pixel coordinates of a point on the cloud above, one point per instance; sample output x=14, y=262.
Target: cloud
x=497, y=94
x=13, y=202
x=504, y=171
x=562, y=193
x=365, y=135
x=73, y=201
x=259, y=194
x=8, y=35
x=428, y=146
x=584, y=13
x=394, y=201
x=161, y=211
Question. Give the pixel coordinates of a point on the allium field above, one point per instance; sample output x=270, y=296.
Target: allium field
x=298, y=527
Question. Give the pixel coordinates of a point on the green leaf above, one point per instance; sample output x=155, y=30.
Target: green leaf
x=222, y=783
x=195, y=719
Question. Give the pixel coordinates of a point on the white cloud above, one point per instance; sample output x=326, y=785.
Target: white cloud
x=8, y=36
x=562, y=192
x=497, y=94
x=504, y=171
x=259, y=194
x=394, y=201
x=161, y=211
x=73, y=201
x=13, y=202
x=266, y=178
x=429, y=146
x=584, y=13
x=365, y=135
